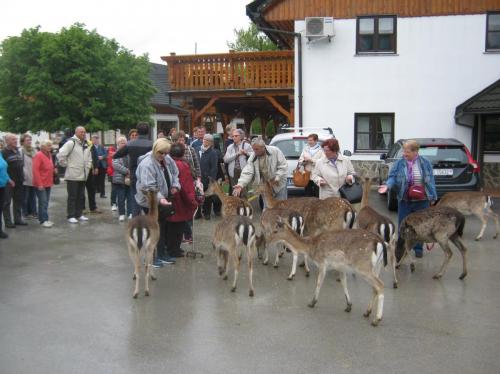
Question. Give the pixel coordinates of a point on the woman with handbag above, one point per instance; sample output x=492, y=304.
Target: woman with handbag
x=44, y=173
x=311, y=153
x=412, y=179
x=332, y=171
x=120, y=182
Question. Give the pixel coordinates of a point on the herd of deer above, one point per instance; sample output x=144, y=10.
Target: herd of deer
x=335, y=236
x=330, y=232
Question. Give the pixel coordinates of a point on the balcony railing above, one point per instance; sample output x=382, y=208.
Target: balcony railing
x=231, y=71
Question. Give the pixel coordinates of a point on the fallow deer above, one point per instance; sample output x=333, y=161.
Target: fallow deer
x=433, y=225
x=142, y=235
x=369, y=219
x=343, y=250
x=472, y=203
x=230, y=234
x=231, y=205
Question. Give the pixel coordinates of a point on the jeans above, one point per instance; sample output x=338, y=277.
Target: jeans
x=90, y=186
x=14, y=194
x=2, y=194
x=43, y=204
x=114, y=200
x=29, y=200
x=123, y=196
x=136, y=209
x=100, y=182
x=406, y=207
x=76, y=196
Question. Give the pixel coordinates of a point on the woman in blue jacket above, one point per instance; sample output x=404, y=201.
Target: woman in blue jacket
x=4, y=180
x=412, y=179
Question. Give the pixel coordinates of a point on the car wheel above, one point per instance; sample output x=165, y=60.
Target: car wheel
x=392, y=203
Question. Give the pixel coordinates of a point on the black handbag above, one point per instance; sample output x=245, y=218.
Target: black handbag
x=351, y=192
x=165, y=211
x=56, y=179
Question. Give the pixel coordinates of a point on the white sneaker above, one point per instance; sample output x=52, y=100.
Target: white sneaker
x=114, y=207
x=72, y=220
x=83, y=218
x=47, y=224
x=130, y=216
x=52, y=223
x=121, y=218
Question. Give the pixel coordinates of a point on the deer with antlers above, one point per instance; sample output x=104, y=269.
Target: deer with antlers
x=142, y=235
x=231, y=205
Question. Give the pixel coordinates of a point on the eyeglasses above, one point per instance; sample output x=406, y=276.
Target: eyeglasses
x=162, y=153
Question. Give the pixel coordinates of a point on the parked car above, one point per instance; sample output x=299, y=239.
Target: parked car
x=291, y=144
x=453, y=165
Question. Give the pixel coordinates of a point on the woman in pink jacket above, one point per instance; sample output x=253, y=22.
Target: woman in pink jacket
x=43, y=179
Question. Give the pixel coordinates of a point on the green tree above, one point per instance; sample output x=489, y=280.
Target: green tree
x=49, y=81
x=251, y=40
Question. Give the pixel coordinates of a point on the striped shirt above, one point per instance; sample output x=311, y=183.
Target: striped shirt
x=417, y=175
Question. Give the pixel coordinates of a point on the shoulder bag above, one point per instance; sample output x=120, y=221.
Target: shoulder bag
x=351, y=192
x=301, y=177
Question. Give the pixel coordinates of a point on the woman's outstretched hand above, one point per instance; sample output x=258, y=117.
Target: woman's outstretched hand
x=382, y=188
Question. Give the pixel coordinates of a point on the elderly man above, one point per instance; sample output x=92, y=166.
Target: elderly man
x=198, y=142
x=75, y=156
x=236, y=155
x=15, y=165
x=266, y=164
x=102, y=166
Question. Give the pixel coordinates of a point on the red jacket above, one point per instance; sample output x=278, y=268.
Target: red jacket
x=111, y=151
x=185, y=200
x=43, y=170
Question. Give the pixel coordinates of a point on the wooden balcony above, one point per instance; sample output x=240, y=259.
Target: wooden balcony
x=272, y=70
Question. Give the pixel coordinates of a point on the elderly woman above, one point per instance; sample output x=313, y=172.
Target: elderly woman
x=29, y=195
x=332, y=171
x=43, y=179
x=209, y=166
x=311, y=153
x=157, y=171
x=412, y=179
x=4, y=181
x=121, y=172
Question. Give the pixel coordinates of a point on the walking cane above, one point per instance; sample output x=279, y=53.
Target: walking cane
x=192, y=253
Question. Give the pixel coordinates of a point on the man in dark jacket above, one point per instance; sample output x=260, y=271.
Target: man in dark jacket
x=135, y=149
x=197, y=143
x=102, y=166
x=15, y=165
x=209, y=166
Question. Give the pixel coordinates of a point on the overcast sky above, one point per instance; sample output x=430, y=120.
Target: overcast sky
x=155, y=27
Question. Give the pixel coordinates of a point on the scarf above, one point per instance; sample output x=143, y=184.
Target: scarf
x=28, y=151
x=409, y=168
x=203, y=149
x=312, y=150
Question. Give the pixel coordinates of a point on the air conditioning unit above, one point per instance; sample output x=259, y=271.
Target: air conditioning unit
x=319, y=27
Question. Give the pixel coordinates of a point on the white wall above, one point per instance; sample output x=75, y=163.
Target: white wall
x=440, y=63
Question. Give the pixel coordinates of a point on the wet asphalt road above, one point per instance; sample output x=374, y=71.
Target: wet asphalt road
x=66, y=307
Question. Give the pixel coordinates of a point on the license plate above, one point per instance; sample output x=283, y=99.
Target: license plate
x=443, y=172
x=290, y=181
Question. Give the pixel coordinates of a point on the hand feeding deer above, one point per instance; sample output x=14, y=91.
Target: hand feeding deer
x=369, y=219
x=343, y=250
x=475, y=203
x=142, y=235
x=231, y=205
x=230, y=234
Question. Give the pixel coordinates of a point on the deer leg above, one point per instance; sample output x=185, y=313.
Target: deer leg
x=447, y=256
x=343, y=281
x=237, y=262
x=266, y=255
x=378, y=289
x=149, y=262
x=137, y=269
x=306, y=266
x=494, y=216
x=250, y=255
x=294, y=266
x=372, y=301
x=319, y=283
x=484, y=222
x=278, y=251
x=392, y=262
x=463, y=252
x=225, y=255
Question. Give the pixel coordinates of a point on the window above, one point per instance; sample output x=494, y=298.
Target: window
x=376, y=34
x=373, y=131
x=492, y=134
x=493, y=31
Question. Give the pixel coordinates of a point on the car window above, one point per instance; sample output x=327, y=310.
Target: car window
x=444, y=154
x=393, y=152
x=291, y=148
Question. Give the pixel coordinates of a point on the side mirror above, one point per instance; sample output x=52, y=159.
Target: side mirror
x=347, y=153
x=383, y=156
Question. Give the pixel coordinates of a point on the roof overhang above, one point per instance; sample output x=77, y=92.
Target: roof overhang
x=255, y=11
x=485, y=102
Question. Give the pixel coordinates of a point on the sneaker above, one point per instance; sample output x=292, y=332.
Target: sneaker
x=47, y=224
x=72, y=220
x=157, y=263
x=114, y=207
x=121, y=218
x=419, y=254
x=130, y=216
x=187, y=240
x=167, y=260
x=52, y=223
x=83, y=218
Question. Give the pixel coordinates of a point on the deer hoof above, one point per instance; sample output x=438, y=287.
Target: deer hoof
x=478, y=238
x=259, y=257
x=275, y=266
x=412, y=267
x=395, y=285
x=153, y=277
x=397, y=266
x=265, y=263
x=462, y=276
x=302, y=264
x=348, y=308
x=437, y=276
x=233, y=289
x=225, y=277
x=312, y=304
x=290, y=278
x=496, y=236
x=367, y=313
x=135, y=295
x=221, y=271
x=146, y=293
x=251, y=293
x=307, y=274
x=375, y=322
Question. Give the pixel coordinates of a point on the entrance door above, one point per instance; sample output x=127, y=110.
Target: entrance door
x=165, y=126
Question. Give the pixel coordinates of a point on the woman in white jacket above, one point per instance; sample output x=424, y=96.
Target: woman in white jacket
x=311, y=153
x=332, y=171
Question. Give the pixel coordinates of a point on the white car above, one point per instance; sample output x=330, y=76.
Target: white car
x=291, y=144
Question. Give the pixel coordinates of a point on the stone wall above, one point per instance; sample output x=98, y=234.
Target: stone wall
x=491, y=174
x=367, y=168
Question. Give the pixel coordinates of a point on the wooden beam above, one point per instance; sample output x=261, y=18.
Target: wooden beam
x=205, y=108
x=278, y=106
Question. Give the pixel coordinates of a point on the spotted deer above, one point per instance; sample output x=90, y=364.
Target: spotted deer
x=142, y=235
x=469, y=203
x=231, y=205
x=355, y=250
x=231, y=235
x=269, y=221
x=369, y=219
